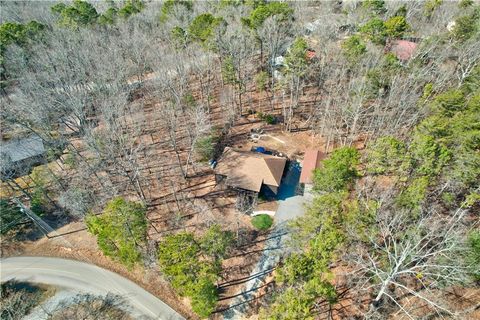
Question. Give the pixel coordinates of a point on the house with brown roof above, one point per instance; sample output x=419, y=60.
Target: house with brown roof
x=311, y=161
x=250, y=171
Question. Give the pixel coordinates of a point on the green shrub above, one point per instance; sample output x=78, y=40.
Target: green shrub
x=466, y=26
x=296, y=61
x=268, y=118
x=131, y=7
x=205, y=147
x=376, y=80
x=204, y=298
x=449, y=102
x=262, y=221
x=38, y=202
x=20, y=34
x=354, y=48
x=429, y=157
x=430, y=6
x=109, y=17
x=374, y=30
x=70, y=161
x=169, y=7
x=376, y=6
x=412, y=197
x=401, y=11
x=121, y=230
x=189, y=100
x=261, y=81
x=448, y=198
x=203, y=26
x=78, y=14
x=472, y=82
x=262, y=12
x=338, y=170
x=428, y=91
x=390, y=63
x=396, y=27
x=473, y=257
x=465, y=3
x=10, y=215
x=193, y=265
x=387, y=155
x=447, y=140
x=229, y=73
x=296, y=267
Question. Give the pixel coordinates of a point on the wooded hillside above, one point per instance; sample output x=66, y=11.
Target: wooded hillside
x=133, y=103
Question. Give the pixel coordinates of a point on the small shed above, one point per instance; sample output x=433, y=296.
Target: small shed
x=402, y=49
x=19, y=155
x=311, y=161
x=311, y=54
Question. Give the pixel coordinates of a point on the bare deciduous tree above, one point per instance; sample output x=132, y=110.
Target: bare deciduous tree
x=406, y=260
x=90, y=307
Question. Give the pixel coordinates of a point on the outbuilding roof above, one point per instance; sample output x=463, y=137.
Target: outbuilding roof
x=402, y=49
x=310, y=162
x=21, y=149
x=249, y=170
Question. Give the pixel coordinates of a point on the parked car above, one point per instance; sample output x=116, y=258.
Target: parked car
x=261, y=149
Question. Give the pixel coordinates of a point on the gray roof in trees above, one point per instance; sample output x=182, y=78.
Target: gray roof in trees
x=21, y=149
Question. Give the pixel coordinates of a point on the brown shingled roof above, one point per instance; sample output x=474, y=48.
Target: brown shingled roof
x=249, y=170
x=311, y=161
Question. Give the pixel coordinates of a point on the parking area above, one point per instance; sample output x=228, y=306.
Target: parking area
x=291, y=201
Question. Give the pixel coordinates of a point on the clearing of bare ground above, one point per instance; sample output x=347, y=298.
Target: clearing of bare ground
x=175, y=203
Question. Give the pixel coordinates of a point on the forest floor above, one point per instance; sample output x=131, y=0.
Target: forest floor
x=73, y=240
x=175, y=203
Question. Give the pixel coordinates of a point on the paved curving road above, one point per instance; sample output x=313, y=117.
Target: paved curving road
x=83, y=277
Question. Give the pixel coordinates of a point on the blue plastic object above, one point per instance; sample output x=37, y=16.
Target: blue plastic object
x=260, y=149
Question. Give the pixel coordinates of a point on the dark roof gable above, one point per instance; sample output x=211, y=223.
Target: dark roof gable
x=21, y=149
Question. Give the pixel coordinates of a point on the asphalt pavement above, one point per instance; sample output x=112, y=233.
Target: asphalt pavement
x=87, y=278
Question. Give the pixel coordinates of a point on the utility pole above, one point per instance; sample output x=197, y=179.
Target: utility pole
x=42, y=225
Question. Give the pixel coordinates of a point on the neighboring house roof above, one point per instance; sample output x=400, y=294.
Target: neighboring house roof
x=21, y=149
x=249, y=170
x=311, y=161
x=402, y=49
x=279, y=61
x=312, y=26
x=451, y=25
x=310, y=54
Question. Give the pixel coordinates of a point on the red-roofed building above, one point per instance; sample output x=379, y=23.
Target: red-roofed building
x=310, y=54
x=402, y=49
x=310, y=162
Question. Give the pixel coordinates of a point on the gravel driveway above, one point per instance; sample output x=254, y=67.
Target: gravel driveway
x=290, y=206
